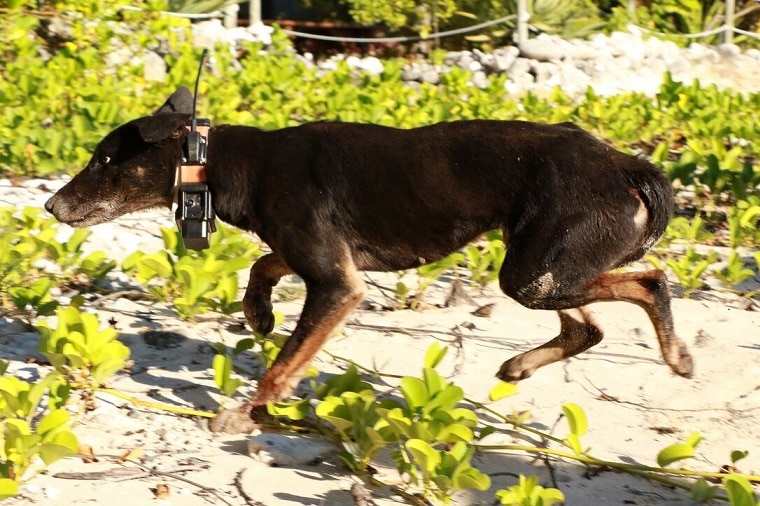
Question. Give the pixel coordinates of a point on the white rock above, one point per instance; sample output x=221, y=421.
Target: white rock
x=480, y=80
x=727, y=50
x=154, y=67
x=371, y=65
x=261, y=32
x=503, y=59
x=288, y=449
x=542, y=49
x=753, y=53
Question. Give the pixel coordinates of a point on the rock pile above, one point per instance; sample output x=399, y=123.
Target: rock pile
x=622, y=61
x=610, y=64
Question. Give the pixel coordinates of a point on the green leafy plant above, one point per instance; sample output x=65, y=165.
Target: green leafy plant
x=441, y=471
x=86, y=355
x=224, y=361
x=429, y=274
x=681, y=229
x=429, y=434
x=436, y=433
x=19, y=250
x=743, y=223
x=35, y=299
x=195, y=281
x=72, y=261
x=27, y=237
x=361, y=428
x=26, y=433
x=484, y=259
x=734, y=272
x=689, y=268
x=528, y=492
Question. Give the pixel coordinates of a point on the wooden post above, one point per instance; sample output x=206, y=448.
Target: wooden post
x=254, y=11
x=728, y=35
x=523, y=16
x=230, y=15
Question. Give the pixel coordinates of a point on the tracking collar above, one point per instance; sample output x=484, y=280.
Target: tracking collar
x=195, y=214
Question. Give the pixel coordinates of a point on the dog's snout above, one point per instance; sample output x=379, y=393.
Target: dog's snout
x=50, y=204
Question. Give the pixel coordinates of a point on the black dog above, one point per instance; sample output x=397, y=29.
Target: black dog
x=332, y=199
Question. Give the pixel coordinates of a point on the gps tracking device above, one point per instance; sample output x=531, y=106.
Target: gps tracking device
x=195, y=213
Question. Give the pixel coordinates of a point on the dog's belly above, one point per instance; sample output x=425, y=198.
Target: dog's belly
x=395, y=256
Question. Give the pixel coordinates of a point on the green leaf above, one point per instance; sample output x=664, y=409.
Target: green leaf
x=110, y=366
x=694, y=439
x=8, y=488
x=295, y=410
x=472, y=478
x=243, y=345
x=158, y=264
x=435, y=353
x=501, y=390
x=739, y=490
x=52, y=421
x=427, y=457
x=454, y=433
x=702, y=491
x=433, y=382
x=574, y=442
x=222, y=365
x=737, y=455
x=64, y=445
x=674, y=453
x=576, y=418
x=415, y=392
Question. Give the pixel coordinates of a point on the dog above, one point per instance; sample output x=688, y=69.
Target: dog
x=332, y=199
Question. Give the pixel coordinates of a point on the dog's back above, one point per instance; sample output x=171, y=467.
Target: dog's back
x=503, y=174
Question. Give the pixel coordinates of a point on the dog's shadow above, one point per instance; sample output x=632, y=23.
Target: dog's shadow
x=172, y=361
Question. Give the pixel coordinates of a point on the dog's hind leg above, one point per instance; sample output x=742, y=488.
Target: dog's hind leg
x=565, y=268
x=650, y=291
x=579, y=332
x=257, y=301
x=333, y=290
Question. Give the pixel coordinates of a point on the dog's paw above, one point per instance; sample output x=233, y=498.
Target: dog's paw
x=233, y=421
x=514, y=370
x=685, y=364
x=259, y=315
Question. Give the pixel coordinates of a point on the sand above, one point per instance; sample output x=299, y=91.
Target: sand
x=635, y=405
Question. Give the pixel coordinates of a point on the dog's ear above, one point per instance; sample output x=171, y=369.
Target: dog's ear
x=160, y=127
x=180, y=101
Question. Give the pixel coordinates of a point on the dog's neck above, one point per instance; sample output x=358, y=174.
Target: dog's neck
x=230, y=172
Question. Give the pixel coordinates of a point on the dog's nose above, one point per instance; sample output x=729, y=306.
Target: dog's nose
x=50, y=204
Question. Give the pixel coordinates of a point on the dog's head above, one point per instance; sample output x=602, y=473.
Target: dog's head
x=133, y=168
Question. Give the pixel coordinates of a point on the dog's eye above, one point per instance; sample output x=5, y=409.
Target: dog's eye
x=105, y=160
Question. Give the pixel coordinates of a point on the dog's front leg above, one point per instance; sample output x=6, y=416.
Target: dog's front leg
x=257, y=301
x=329, y=300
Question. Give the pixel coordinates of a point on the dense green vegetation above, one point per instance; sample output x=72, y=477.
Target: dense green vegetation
x=569, y=18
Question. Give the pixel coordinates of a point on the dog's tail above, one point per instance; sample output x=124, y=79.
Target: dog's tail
x=655, y=191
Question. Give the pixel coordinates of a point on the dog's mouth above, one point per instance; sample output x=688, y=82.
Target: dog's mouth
x=93, y=217
x=78, y=217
